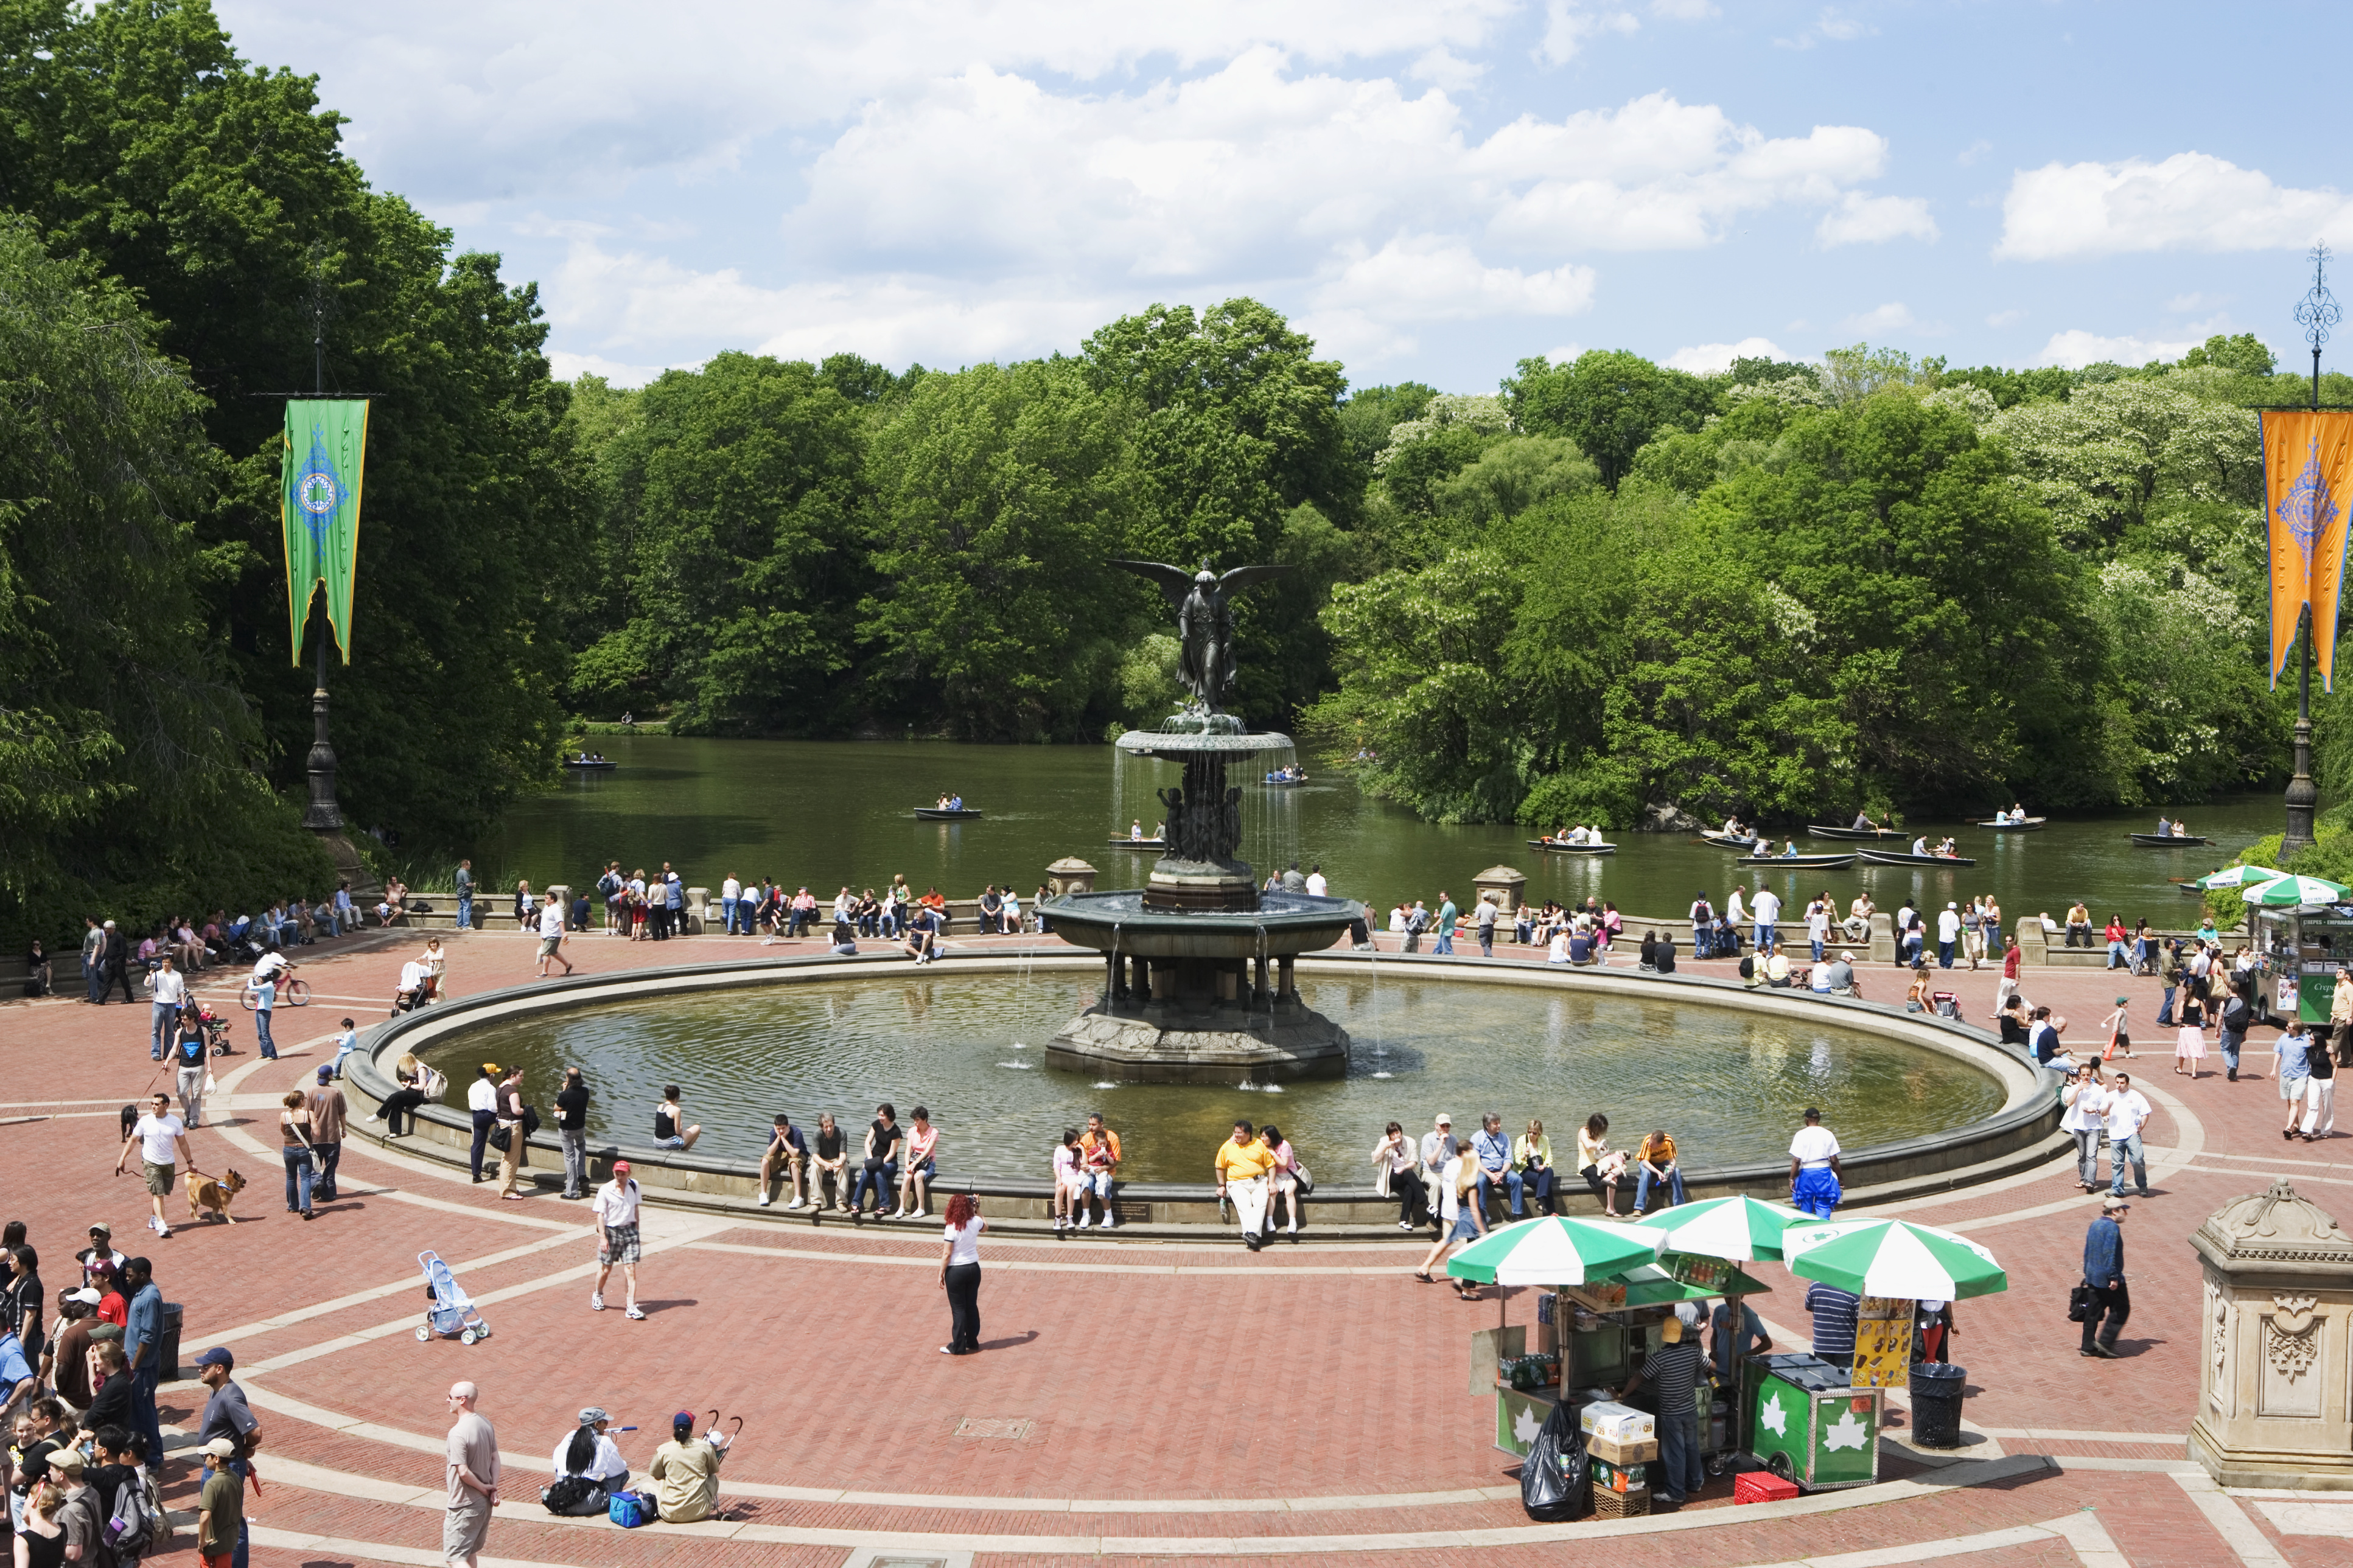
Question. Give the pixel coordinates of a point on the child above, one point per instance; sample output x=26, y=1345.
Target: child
x=345, y=1044
x=1066, y=1176
x=2120, y=1036
x=2190, y=1048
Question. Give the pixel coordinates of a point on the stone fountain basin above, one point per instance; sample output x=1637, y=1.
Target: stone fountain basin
x=1284, y=924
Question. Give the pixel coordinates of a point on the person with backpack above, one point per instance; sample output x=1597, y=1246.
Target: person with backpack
x=588, y=1468
x=228, y=1432
x=120, y=1484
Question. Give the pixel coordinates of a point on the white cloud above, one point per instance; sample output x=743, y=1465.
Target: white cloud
x=1859, y=219
x=2005, y=318
x=1441, y=66
x=1892, y=317
x=1713, y=358
x=1973, y=152
x=1830, y=26
x=1567, y=28
x=1564, y=353
x=2191, y=201
x=1431, y=279
x=2076, y=348
x=1684, y=10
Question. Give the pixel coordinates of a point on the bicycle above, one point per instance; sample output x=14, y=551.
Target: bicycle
x=293, y=993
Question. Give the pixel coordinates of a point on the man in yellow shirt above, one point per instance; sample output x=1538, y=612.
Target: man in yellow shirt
x=1243, y=1163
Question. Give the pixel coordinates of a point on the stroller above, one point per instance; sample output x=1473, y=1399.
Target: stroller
x=452, y=1311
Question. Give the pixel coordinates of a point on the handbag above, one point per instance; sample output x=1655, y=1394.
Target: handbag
x=503, y=1138
x=2079, y=1304
x=1299, y=1173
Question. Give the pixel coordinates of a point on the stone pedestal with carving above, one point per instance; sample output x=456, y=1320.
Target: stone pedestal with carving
x=2275, y=1345
x=1508, y=883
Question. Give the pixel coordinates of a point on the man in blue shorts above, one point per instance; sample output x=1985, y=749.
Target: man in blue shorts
x=1814, y=1167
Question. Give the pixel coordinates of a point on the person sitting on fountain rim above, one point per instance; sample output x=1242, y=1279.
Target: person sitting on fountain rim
x=879, y=1163
x=1242, y=1165
x=669, y=1118
x=1097, y=1163
x=845, y=941
x=923, y=943
x=786, y=1155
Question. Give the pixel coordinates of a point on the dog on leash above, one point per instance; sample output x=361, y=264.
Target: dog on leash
x=205, y=1193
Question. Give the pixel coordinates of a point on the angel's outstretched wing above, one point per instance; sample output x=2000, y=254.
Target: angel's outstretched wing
x=1242, y=577
x=1175, y=581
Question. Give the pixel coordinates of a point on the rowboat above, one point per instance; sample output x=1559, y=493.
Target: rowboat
x=1727, y=841
x=2028, y=825
x=590, y=764
x=943, y=814
x=1817, y=830
x=2163, y=841
x=1572, y=848
x=2195, y=889
x=1891, y=858
x=1799, y=862
x=1139, y=843
x=1273, y=782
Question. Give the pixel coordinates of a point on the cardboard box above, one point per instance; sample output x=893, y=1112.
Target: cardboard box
x=1632, y=1451
x=1620, y=1423
x=1618, y=1478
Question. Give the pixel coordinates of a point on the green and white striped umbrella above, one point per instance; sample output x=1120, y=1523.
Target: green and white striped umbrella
x=2292, y=892
x=1892, y=1257
x=2239, y=876
x=1741, y=1229
x=1553, y=1251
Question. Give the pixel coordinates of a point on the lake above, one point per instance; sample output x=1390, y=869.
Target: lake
x=829, y=812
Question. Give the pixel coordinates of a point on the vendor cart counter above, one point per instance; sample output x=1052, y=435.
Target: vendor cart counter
x=1808, y=1423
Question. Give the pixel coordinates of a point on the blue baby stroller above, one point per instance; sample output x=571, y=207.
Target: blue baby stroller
x=452, y=1312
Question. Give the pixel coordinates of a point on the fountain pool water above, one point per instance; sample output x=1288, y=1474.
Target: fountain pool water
x=1728, y=1084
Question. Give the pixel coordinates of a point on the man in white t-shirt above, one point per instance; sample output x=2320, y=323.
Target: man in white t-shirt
x=550, y=937
x=1767, y=912
x=1949, y=931
x=616, y=1207
x=1814, y=1167
x=2129, y=1111
x=167, y=991
x=1736, y=909
x=162, y=1140
x=731, y=898
x=1316, y=886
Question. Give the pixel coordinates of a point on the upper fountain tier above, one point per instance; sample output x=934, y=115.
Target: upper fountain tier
x=1195, y=732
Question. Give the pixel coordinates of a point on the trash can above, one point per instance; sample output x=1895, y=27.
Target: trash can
x=1937, y=1405
x=167, y=1345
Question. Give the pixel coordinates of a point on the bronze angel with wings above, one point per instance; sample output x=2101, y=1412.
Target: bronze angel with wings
x=1204, y=622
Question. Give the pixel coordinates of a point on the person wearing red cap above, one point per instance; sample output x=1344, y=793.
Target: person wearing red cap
x=616, y=1236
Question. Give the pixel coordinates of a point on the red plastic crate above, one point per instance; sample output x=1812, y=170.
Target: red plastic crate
x=1761, y=1486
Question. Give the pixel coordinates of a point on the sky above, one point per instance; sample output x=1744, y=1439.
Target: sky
x=1434, y=190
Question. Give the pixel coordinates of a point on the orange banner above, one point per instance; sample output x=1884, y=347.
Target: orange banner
x=2308, y=486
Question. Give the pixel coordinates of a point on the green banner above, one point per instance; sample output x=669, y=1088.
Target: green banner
x=326, y=448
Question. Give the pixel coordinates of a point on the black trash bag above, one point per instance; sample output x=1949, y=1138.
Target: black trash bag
x=1555, y=1484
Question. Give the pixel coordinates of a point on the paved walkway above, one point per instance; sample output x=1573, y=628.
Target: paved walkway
x=1174, y=1402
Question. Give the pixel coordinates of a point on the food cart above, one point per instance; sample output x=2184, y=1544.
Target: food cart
x=1809, y=1424
x=2297, y=954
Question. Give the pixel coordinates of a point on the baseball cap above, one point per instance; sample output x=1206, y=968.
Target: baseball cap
x=593, y=1414
x=67, y=1459
x=325, y=1072
x=490, y=1066
x=219, y=1449
x=2112, y=1202
x=1444, y=1119
x=2123, y=1001
x=85, y=1296
x=619, y=1166
x=99, y=1227
x=217, y=1356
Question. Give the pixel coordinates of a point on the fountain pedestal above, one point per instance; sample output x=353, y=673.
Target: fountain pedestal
x=1198, y=985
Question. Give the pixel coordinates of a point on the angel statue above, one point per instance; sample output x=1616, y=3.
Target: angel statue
x=1204, y=622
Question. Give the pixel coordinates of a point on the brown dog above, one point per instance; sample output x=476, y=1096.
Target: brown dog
x=205, y=1193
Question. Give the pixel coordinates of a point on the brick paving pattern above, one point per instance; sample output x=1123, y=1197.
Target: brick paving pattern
x=1292, y=1378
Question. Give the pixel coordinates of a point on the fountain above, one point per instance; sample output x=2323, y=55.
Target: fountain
x=1198, y=973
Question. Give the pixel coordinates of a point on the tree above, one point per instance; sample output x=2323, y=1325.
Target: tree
x=1370, y=413
x=1610, y=402
x=125, y=751
x=1233, y=424
x=137, y=138
x=739, y=492
x=1000, y=500
x=1513, y=475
